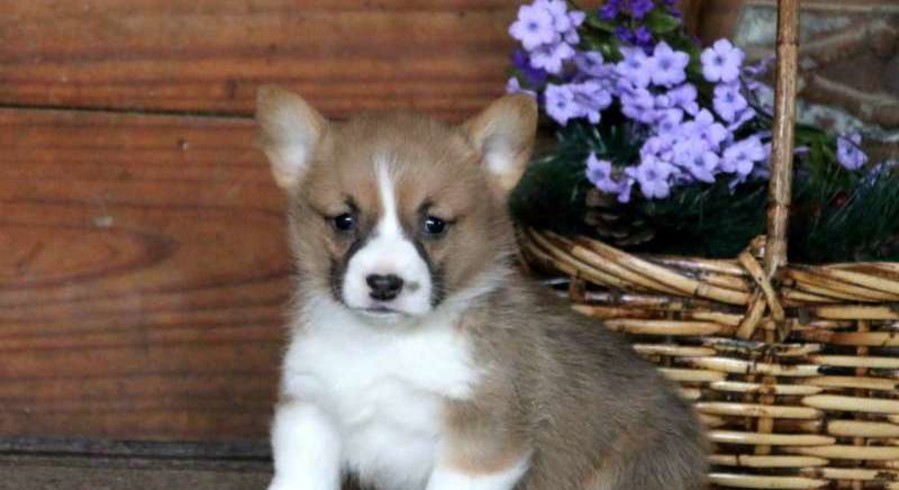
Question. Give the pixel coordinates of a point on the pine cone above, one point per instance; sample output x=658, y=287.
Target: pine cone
x=611, y=222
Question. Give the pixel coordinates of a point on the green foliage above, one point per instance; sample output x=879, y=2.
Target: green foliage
x=837, y=215
x=836, y=222
x=661, y=23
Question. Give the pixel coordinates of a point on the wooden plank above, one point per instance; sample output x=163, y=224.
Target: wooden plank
x=143, y=273
x=79, y=473
x=447, y=58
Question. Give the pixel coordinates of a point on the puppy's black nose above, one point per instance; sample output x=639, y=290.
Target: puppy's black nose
x=384, y=287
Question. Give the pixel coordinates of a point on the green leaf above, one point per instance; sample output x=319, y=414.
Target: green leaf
x=607, y=47
x=594, y=21
x=661, y=23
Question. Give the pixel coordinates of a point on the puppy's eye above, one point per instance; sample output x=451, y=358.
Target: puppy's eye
x=434, y=226
x=344, y=222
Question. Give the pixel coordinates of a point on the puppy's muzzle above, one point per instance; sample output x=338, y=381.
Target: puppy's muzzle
x=384, y=287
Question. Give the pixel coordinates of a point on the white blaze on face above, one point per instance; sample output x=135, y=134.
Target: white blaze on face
x=388, y=252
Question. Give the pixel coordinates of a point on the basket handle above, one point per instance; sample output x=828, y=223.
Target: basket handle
x=781, y=182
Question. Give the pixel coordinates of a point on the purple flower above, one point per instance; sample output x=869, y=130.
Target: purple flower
x=586, y=99
x=762, y=170
x=610, y=10
x=599, y=173
x=640, y=37
x=669, y=120
x=652, y=175
x=566, y=22
x=669, y=65
x=695, y=157
x=591, y=63
x=522, y=62
x=728, y=101
x=550, y=57
x=560, y=104
x=658, y=147
x=878, y=171
x=763, y=95
x=513, y=86
x=722, y=62
x=625, y=35
x=636, y=67
x=741, y=156
x=591, y=98
x=547, y=30
x=684, y=96
x=743, y=117
x=661, y=102
x=625, y=186
x=761, y=67
x=622, y=86
x=704, y=166
x=639, y=105
x=849, y=154
x=577, y=18
x=639, y=8
x=534, y=26
x=705, y=127
x=643, y=37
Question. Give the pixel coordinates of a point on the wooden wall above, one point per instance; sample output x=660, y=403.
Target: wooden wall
x=143, y=270
x=445, y=57
x=142, y=274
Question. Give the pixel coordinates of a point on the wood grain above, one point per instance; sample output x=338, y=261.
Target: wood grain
x=447, y=57
x=143, y=273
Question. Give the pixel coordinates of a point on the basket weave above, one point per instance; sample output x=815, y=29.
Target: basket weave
x=793, y=369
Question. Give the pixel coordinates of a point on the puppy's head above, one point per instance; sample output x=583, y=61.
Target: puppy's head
x=394, y=215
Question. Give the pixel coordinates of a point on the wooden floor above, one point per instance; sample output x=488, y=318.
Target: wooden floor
x=85, y=464
x=79, y=473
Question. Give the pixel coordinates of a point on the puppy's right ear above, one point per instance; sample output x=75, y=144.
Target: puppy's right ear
x=289, y=131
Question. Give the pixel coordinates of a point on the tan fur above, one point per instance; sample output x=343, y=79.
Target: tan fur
x=557, y=386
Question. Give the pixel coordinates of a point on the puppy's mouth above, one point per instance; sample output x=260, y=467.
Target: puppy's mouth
x=381, y=311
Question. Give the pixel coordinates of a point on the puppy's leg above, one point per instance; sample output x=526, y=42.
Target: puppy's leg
x=673, y=464
x=448, y=476
x=445, y=478
x=306, y=449
x=480, y=450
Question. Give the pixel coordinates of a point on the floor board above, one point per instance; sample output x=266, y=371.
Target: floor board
x=76, y=473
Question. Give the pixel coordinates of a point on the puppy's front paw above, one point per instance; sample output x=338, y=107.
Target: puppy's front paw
x=281, y=484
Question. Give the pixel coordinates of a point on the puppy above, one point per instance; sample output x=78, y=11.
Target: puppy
x=420, y=359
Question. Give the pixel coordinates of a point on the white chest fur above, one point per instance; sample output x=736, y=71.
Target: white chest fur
x=383, y=387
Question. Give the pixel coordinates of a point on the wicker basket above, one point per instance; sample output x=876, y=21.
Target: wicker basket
x=793, y=369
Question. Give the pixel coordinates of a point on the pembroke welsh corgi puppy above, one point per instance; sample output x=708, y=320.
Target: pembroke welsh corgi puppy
x=419, y=357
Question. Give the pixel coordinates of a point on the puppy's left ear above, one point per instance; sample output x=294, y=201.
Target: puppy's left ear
x=504, y=134
x=290, y=130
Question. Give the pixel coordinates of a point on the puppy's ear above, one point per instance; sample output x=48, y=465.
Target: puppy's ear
x=504, y=134
x=289, y=131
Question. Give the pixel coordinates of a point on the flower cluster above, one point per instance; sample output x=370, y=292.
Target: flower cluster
x=633, y=33
x=650, y=78
x=547, y=30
